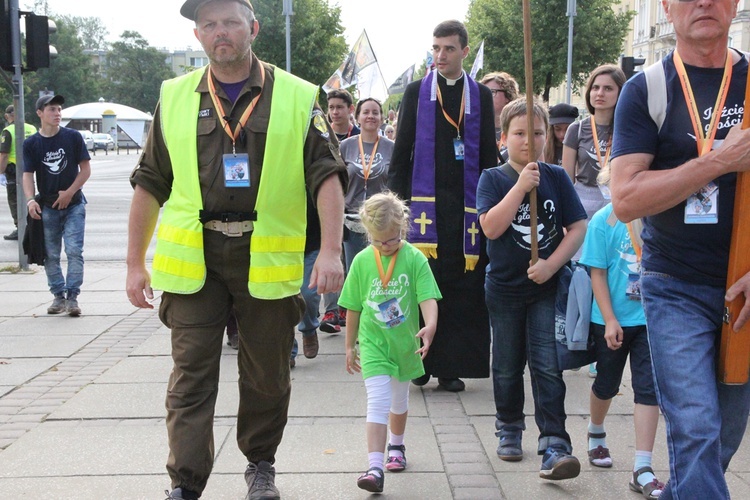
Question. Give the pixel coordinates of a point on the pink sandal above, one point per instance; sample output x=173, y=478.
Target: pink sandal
x=396, y=463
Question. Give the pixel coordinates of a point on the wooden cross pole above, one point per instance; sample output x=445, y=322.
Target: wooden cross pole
x=734, y=350
x=529, y=78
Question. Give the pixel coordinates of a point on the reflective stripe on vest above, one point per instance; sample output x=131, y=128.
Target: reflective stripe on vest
x=278, y=240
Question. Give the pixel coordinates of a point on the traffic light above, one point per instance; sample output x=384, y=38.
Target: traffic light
x=629, y=64
x=6, y=52
x=38, y=49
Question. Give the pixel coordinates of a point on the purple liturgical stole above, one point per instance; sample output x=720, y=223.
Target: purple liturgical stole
x=424, y=216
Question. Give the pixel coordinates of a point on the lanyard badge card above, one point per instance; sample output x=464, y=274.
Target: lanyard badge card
x=236, y=166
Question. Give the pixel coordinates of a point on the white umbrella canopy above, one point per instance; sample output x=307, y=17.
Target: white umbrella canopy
x=133, y=124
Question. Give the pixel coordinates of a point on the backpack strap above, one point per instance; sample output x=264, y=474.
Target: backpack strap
x=656, y=88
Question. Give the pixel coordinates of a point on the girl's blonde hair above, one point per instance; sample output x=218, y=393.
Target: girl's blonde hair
x=383, y=211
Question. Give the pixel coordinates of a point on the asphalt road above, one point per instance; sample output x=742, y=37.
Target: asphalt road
x=108, y=193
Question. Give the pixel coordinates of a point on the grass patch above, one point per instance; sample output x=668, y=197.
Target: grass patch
x=10, y=269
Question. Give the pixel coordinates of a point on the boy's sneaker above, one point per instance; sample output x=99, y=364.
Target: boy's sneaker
x=372, y=480
x=260, y=482
x=342, y=317
x=72, y=306
x=592, y=370
x=558, y=464
x=509, y=449
x=58, y=305
x=330, y=322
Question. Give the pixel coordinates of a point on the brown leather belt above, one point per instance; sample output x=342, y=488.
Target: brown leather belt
x=234, y=229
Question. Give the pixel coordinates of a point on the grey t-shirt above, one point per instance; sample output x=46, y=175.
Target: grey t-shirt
x=583, y=142
x=376, y=182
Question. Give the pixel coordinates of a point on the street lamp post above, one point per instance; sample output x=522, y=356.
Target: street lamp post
x=288, y=13
x=571, y=14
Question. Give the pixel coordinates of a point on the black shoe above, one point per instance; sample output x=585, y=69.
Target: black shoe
x=421, y=380
x=452, y=384
x=12, y=236
x=260, y=480
x=330, y=322
x=181, y=493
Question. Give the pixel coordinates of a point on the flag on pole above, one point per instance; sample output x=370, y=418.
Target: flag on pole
x=478, y=61
x=399, y=86
x=360, y=56
x=370, y=83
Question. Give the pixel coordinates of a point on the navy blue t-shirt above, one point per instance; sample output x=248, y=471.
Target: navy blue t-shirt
x=558, y=208
x=697, y=253
x=55, y=161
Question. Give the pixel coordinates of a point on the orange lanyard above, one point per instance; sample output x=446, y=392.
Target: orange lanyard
x=367, y=167
x=634, y=242
x=385, y=277
x=220, y=109
x=704, y=141
x=460, y=113
x=596, y=145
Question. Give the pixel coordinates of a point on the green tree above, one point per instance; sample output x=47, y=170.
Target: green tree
x=91, y=32
x=71, y=73
x=135, y=72
x=317, y=38
x=599, y=32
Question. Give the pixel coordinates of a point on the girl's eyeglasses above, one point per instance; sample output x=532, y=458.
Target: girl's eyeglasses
x=391, y=242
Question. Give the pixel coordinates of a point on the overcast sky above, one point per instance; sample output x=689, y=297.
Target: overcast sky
x=400, y=30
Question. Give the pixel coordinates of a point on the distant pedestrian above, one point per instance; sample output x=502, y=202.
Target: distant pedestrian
x=504, y=89
x=560, y=117
x=388, y=284
x=59, y=159
x=8, y=164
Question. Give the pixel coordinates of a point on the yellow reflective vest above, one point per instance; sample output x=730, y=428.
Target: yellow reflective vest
x=28, y=131
x=277, y=243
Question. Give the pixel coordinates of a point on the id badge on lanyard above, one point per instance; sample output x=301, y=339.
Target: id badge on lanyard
x=236, y=170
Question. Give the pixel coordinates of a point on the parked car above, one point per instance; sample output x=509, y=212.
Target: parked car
x=88, y=138
x=103, y=141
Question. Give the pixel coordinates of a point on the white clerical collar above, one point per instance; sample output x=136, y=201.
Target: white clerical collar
x=450, y=82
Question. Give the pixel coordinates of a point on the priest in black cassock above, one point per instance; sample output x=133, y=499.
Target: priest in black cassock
x=445, y=138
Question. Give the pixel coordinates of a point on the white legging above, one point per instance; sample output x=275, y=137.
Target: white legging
x=384, y=394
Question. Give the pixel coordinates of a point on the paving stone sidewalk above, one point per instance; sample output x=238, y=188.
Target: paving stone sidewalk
x=82, y=416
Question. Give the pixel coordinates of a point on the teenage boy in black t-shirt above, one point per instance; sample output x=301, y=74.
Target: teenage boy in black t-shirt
x=59, y=159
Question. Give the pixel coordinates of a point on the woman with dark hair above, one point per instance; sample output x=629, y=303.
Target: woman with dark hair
x=588, y=143
x=367, y=157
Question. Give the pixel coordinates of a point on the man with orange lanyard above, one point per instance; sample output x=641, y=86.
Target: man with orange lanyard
x=679, y=176
x=234, y=149
x=445, y=138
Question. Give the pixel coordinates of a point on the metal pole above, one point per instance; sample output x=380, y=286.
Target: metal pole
x=569, y=81
x=288, y=13
x=15, y=36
